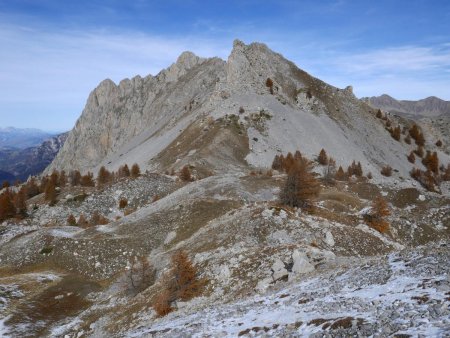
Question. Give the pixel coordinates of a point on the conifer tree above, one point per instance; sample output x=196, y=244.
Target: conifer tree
x=277, y=163
x=50, y=192
x=323, y=158
x=75, y=178
x=135, y=170
x=7, y=209
x=87, y=180
x=124, y=171
x=62, y=179
x=301, y=186
x=103, y=176
x=32, y=188
x=289, y=162
x=20, y=202
x=376, y=217
x=340, y=174
x=411, y=157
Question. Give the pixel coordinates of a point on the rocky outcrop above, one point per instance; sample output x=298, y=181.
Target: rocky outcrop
x=115, y=114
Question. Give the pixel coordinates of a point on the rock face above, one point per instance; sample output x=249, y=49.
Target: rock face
x=218, y=115
x=115, y=114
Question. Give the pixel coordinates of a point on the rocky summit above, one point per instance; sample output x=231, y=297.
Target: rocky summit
x=232, y=198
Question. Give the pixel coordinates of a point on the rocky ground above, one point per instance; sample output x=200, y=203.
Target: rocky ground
x=272, y=270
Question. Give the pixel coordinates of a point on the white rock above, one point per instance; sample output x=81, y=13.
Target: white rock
x=329, y=239
x=223, y=273
x=301, y=263
x=421, y=198
x=263, y=285
x=279, y=269
x=170, y=237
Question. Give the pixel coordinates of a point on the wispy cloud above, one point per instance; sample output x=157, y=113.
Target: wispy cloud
x=53, y=71
x=396, y=60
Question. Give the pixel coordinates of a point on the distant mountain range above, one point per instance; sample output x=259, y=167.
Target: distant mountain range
x=18, y=138
x=430, y=107
x=21, y=163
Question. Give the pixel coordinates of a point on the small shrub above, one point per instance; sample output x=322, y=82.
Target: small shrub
x=71, y=220
x=386, y=171
x=439, y=143
x=123, y=203
x=411, y=157
x=98, y=219
x=241, y=110
x=128, y=211
x=379, y=114
x=419, y=151
x=83, y=222
x=269, y=84
x=185, y=174
x=369, y=176
x=46, y=250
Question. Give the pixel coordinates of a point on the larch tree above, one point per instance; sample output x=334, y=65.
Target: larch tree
x=301, y=186
x=135, y=170
x=323, y=157
x=181, y=282
x=20, y=202
x=50, y=192
x=7, y=209
x=376, y=217
x=340, y=174
x=103, y=176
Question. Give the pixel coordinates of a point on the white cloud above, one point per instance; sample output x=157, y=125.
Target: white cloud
x=52, y=72
x=48, y=72
x=396, y=60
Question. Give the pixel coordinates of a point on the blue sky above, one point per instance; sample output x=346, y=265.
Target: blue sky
x=53, y=53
